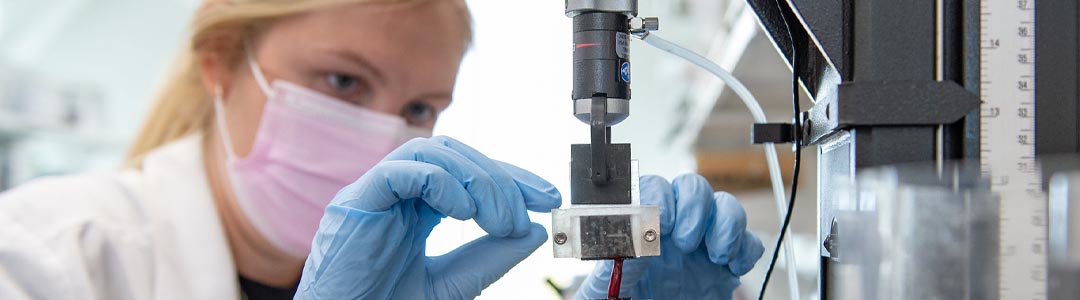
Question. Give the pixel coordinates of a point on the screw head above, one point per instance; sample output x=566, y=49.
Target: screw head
x=560, y=238
x=650, y=235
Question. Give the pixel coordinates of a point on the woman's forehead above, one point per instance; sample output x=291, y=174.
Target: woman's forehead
x=415, y=24
x=412, y=44
x=442, y=16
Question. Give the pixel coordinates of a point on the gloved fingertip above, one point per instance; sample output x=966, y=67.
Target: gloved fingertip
x=653, y=181
x=553, y=199
x=444, y=140
x=691, y=181
x=540, y=195
x=538, y=235
x=741, y=268
x=755, y=248
x=746, y=257
x=654, y=190
x=555, y=203
x=729, y=221
x=541, y=200
x=758, y=250
x=694, y=207
x=417, y=139
x=721, y=248
x=730, y=207
x=409, y=149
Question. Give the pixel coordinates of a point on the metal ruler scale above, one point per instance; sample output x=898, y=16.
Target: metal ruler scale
x=1008, y=144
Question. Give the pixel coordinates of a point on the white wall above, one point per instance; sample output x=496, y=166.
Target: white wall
x=119, y=48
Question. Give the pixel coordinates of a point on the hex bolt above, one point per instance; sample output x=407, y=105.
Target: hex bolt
x=560, y=238
x=639, y=24
x=650, y=235
x=807, y=125
x=651, y=23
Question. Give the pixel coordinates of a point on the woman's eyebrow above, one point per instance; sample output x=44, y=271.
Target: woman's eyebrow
x=359, y=61
x=436, y=96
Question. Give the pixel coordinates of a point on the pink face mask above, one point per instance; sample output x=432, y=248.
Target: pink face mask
x=307, y=147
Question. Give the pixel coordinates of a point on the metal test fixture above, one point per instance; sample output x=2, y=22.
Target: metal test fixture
x=891, y=82
x=605, y=220
x=897, y=82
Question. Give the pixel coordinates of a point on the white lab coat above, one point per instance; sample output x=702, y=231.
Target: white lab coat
x=147, y=234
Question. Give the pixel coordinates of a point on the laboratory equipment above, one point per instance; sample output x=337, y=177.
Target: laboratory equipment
x=896, y=82
x=601, y=99
x=605, y=219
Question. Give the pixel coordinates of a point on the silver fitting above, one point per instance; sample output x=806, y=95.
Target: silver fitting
x=644, y=24
x=618, y=110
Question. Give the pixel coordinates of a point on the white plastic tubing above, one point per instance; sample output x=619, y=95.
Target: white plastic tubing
x=759, y=117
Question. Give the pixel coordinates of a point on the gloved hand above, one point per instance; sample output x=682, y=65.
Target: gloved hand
x=704, y=246
x=371, y=241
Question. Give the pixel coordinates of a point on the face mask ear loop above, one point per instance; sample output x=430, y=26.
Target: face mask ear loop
x=257, y=71
x=219, y=115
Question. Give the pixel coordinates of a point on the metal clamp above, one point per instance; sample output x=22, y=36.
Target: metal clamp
x=777, y=133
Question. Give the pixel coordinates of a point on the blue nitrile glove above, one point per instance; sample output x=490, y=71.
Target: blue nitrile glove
x=371, y=241
x=704, y=246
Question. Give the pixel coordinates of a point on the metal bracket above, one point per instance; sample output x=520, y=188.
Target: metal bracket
x=777, y=133
x=890, y=103
x=601, y=139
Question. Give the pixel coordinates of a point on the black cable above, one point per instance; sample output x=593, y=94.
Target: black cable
x=798, y=153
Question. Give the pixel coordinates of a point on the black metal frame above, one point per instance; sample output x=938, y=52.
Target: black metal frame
x=1057, y=81
x=870, y=66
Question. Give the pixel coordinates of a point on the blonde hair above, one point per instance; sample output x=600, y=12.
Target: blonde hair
x=183, y=105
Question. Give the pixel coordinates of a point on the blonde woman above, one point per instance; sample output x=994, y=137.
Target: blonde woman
x=288, y=155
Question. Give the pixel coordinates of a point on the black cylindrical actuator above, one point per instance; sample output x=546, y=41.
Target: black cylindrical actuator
x=601, y=55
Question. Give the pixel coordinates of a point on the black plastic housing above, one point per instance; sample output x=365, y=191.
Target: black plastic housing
x=601, y=55
x=582, y=188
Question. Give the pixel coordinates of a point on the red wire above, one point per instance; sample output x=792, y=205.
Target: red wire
x=616, y=280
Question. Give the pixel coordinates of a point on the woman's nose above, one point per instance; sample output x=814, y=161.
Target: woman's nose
x=390, y=104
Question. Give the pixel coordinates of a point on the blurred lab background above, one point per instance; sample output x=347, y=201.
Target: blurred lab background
x=76, y=77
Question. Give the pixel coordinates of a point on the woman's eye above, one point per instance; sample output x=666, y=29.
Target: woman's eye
x=419, y=113
x=342, y=83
